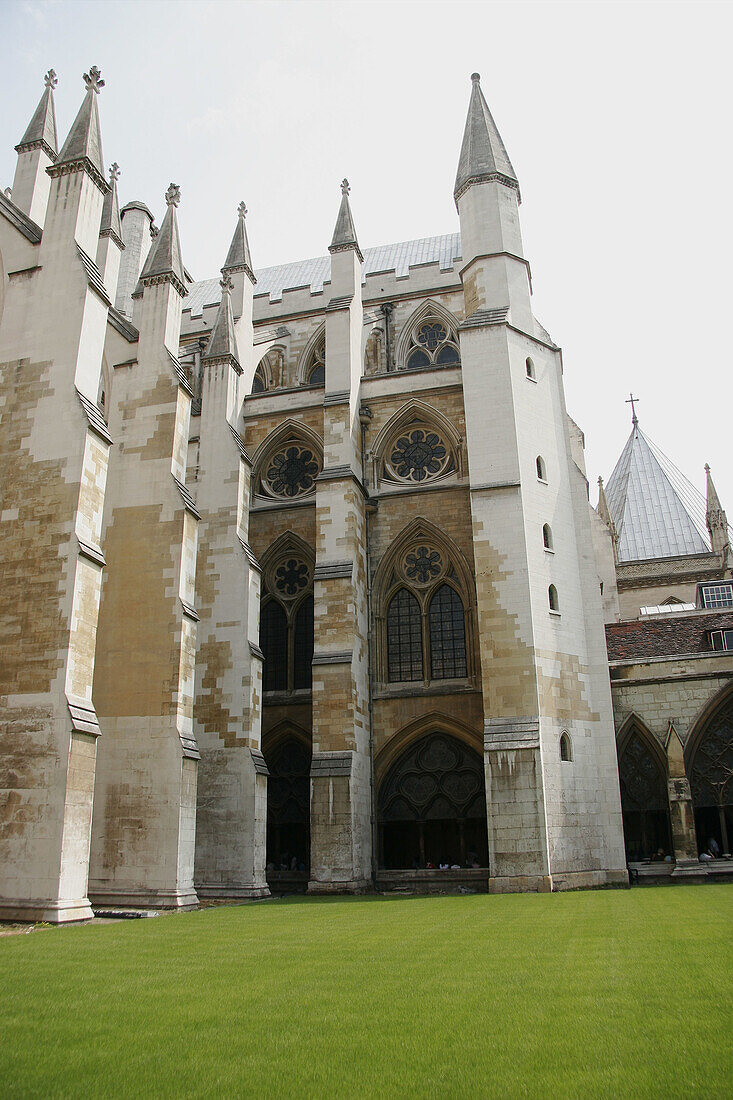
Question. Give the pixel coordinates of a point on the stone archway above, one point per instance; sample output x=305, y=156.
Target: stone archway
x=288, y=809
x=644, y=801
x=431, y=807
x=711, y=778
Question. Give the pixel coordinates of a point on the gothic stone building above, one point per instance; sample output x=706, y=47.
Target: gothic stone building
x=300, y=579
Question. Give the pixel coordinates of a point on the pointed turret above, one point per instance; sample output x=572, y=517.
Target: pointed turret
x=36, y=151
x=110, y=247
x=164, y=258
x=42, y=127
x=495, y=274
x=223, y=341
x=483, y=154
x=239, y=267
x=344, y=234
x=715, y=517
x=84, y=141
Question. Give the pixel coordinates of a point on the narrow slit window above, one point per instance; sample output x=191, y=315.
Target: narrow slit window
x=565, y=748
x=547, y=537
x=530, y=369
x=541, y=468
x=552, y=596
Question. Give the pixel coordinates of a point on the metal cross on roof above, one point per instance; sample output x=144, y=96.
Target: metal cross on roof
x=242, y=210
x=631, y=400
x=93, y=79
x=50, y=79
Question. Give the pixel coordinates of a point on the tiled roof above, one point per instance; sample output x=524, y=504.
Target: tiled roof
x=668, y=637
x=657, y=512
x=443, y=250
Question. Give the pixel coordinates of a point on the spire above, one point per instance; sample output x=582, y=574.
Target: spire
x=344, y=235
x=238, y=256
x=715, y=517
x=85, y=141
x=483, y=156
x=42, y=127
x=111, y=225
x=223, y=341
x=164, y=258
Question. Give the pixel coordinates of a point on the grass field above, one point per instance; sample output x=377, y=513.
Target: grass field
x=615, y=993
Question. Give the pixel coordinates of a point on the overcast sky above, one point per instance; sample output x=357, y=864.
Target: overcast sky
x=616, y=118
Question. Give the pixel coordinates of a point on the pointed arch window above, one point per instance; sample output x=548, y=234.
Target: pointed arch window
x=711, y=780
x=433, y=342
x=644, y=802
x=287, y=464
x=315, y=371
x=286, y=623
x=259, y=384
x=425, y=630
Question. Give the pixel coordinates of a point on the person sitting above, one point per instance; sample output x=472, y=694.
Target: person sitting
x=714, y=848
x=659, y=857
x=704, y=857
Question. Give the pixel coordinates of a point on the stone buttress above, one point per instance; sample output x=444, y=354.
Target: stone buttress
x=55, y=447
x=340, y=771
x=145, y=801
x=552, y=822
x=232, y=787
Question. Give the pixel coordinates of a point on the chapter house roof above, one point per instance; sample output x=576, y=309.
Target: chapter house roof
x=656, y=511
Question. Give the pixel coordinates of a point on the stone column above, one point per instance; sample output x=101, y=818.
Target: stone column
x=681, y=811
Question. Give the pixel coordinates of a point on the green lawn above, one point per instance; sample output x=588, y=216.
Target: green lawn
x=614, y=993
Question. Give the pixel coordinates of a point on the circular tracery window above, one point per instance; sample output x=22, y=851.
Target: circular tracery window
x=291, y=576
x=432, y=344
x=418, y=455
x=422, y=564
x=291, y=472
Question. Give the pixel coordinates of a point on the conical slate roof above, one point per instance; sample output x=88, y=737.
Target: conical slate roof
x=483, y=154
x=656, y=511
x=85, y=138
x=42, y=127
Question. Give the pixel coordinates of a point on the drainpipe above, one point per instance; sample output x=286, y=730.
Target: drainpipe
x=365, y=415
x=387, y=311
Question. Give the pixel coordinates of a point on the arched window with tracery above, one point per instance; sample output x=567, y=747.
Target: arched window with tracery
x=433, y=342
x=286, y=465
x=259, y=383
x=416, y=447
x=711, y=780
x=431, y=807
x=286, y=619
x=312, y=370
x=644, y=801
x=427, y=611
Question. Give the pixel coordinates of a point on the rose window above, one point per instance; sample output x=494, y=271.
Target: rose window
x=422, y=565
x=291, y=577
x=418, y=455
x=291, y=472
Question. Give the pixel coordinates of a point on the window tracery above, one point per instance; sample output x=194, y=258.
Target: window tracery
x=433, y=343
x=287, y=464
x=286, y=618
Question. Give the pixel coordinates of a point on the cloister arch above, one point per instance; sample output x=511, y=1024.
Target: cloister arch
x=644, y=799
x=287, y=749
x=709, y=767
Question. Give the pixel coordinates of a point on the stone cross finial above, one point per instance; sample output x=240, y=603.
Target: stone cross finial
x=476, y=78
x=600, y=482
x=631, y=400
x=93, y=80
x=345, y=189
x=50, y=79
x=242, y=210
x=114, y=172
x=226, y=283
x=173, y=195
x=707, y=468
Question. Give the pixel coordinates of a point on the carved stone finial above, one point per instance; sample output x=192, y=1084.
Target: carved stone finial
x=226, y=283
x=476, y=78
x=173, y=195
x=93, y=80
x=50, y=79
x=154, y=231
x=600, y=482
x=114, y=172
x=345, y=189
x=242, y=210
x=707, y=468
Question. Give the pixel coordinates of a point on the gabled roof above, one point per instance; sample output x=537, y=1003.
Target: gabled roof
x=656, y=511
x=483, y=153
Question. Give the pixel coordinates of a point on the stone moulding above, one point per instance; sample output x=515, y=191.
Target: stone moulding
x=125, y=328
x=508, y=734
x=189, y=611
x=326, y=764
x=83, y=716
x=343, y=658
x=95, y=418
x=94, y=276
x=189, y=745
x=19, y=220
x=331, y=570
x=93, y=553
x=180, y=373
x=256, y=651
x=258, y=760
x=339, y=397
x=188, y=500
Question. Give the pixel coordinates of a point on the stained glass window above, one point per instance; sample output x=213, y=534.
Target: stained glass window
x=432, y=334
x=433, y=343
x=274, y=646
x=404, y=638
x=418, y=454
x=418, y=360
x=448, y=356
x=292, y=471
x=258, y=386
x=318, y=375
x=643, y=801
x=303, y=645
x=447, y=635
